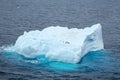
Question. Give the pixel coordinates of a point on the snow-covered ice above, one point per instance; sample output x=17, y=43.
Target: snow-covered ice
x=60, y=43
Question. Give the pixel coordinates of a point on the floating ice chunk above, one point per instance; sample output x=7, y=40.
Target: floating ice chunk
x=60, y=43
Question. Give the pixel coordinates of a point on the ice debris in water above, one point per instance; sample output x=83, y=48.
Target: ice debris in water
x=60, y=43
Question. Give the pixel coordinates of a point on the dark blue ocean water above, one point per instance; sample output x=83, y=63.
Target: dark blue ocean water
x=17, y=16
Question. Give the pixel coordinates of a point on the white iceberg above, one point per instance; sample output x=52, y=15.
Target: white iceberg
x=60, y=43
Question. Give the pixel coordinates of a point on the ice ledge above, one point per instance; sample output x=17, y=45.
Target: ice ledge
x=93, y=41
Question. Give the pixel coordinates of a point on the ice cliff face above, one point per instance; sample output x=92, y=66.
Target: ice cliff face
x=60, y=43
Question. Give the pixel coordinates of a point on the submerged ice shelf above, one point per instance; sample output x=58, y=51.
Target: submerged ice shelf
x=60, y=43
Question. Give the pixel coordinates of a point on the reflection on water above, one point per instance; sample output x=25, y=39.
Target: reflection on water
x=93, y=61
x=100, y=64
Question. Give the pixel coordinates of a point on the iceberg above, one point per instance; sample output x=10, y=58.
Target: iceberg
x=60, y=43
